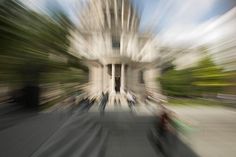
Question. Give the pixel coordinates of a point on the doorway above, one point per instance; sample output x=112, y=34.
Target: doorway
x=117, y=84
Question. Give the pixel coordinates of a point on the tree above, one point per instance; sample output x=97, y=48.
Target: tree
x=177, y=82
x=206, y=79
x=209, y=78
x=28, y=39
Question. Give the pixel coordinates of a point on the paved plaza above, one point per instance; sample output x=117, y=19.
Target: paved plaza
x=118, y=134
x=215, y=132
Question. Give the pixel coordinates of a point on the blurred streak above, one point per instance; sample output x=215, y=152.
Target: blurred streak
x=34, y=52
x=137, y=69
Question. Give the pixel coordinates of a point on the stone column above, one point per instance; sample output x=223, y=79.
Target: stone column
x=105, y=78
x=122, y=86
x=96, y=80
x=101, y=79
x=113, y=78
x=128, y=78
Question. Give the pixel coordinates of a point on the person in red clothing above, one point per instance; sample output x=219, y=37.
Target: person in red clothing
x=165, y=123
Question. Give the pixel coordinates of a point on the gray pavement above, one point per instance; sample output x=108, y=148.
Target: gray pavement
x=128, y=135
x=83, y=134
x=23, y=138
x=215, y=130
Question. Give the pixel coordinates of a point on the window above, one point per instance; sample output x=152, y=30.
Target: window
x=141, y=78
x=115, y=42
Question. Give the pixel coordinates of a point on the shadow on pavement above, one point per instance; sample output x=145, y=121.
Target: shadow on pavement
x=170, y=145
x=14, y=114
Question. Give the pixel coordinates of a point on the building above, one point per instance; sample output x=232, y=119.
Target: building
x=119, y=57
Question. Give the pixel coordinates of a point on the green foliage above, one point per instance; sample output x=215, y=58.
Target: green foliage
x=177, y=101
x=177, y=82
x=205, y=79
x=27, y=41
x=209, y=78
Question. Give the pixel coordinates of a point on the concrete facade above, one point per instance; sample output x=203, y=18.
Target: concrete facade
x=119, y=57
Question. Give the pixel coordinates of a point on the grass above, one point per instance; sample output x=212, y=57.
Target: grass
x=194, y=101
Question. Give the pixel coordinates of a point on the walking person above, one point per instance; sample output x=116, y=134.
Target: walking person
x=131, y=101
x=102, y=101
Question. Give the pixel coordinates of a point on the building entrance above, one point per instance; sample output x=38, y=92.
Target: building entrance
x=117, y=84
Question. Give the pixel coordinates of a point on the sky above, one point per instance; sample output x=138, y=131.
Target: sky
x=182, y=11
x=172, y=20
x=182, y=20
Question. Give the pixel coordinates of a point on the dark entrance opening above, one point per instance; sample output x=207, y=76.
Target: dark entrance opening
x=117, y=84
